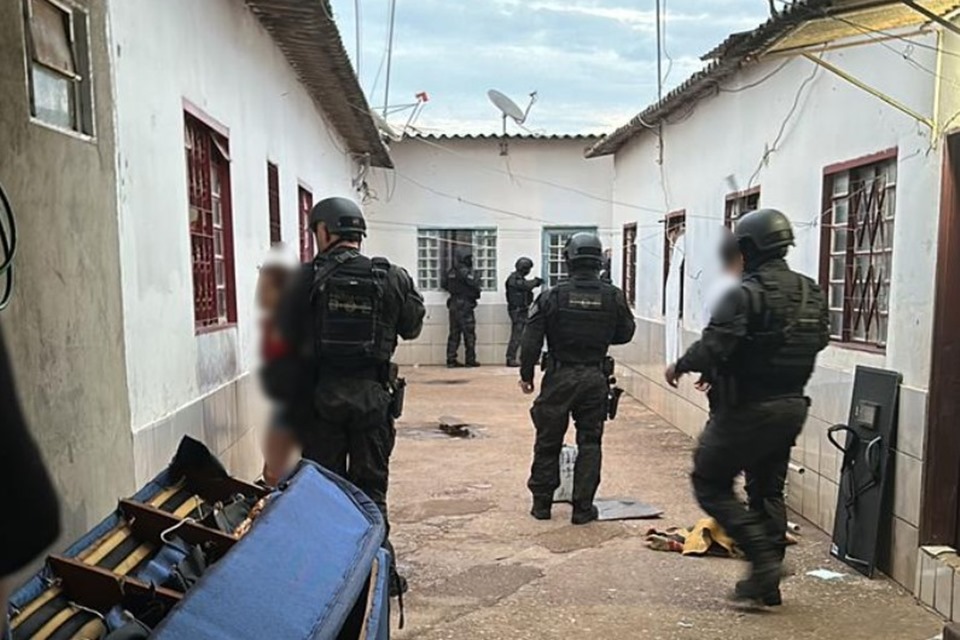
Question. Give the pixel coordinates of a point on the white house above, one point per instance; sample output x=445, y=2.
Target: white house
x=153, y=151
x=506, y=197
x=842, y=115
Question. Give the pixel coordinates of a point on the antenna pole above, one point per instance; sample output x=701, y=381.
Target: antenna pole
x=356, y=13
x=386, y=91
x=659, y=56
x=504, y=124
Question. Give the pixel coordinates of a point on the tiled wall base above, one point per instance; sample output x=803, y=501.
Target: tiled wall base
x=814, y=492
x=938, y=580
x=228, y=420
x=493, y=334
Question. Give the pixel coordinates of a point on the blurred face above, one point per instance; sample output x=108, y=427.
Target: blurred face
x=270, y=287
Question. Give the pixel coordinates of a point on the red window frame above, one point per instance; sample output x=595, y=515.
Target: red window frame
x=308, y=247
x=856, y=247
x=210, y=225
x=674, y=224
x=629, y=276
x=273, y=202
x=738, y=203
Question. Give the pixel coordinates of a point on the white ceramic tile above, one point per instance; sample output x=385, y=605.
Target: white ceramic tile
x=907, y=478
x=903, y=555
x=928, y=578
x=943, y=593
x=812, y=434
x=828, y=505
x=955, y=613
x=912, y=428
x=811, y=496
x=795, y=491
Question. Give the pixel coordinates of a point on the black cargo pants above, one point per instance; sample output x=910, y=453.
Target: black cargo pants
x=580, y=391
x=353, y=435
x=518, y=320
x=755, y=438
x=463, y=322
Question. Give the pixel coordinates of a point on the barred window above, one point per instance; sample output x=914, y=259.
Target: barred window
x=211, y=226
x=308, y=249
x=435, y=256
x=740, y=203
x=554, y=240
x=629, y=278
x=857, y=250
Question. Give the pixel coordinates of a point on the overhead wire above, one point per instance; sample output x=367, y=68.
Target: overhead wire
x=773, y=148
x=358, y=21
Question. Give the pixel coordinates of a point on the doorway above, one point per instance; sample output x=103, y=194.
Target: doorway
x=940, y=510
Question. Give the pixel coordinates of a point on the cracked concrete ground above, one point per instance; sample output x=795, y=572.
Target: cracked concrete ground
x=480, y=567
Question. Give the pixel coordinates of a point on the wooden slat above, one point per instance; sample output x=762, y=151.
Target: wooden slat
x=35, y=605
x=54, y=623
x=100, y=589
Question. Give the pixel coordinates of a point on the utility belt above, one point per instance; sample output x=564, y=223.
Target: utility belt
x=607, y=367
x=386, y=373
x=730, y=392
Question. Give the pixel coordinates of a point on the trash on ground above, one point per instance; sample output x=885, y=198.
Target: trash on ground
x=626, y=509
x=456, y=427
x=826, y=574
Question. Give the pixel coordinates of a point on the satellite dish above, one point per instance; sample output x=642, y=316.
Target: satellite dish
x=509, y=108
x=385, y=127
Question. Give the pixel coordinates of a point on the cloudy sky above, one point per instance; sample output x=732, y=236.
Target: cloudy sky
x=593, y=62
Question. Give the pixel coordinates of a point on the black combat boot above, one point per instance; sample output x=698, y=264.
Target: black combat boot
x=513, y=363
x=472, y=363
x=542, y=505
x=454, y=364
x=766, y=558
x=584, y=515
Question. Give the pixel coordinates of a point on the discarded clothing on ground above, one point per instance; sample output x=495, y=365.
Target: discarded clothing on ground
x=705, y=538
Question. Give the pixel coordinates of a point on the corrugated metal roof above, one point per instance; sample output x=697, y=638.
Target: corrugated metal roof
x=509, y=136
x=308, y=36
x=804, y=23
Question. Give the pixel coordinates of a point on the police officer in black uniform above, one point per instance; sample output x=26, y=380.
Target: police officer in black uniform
x=341, y=320
x=580, y=318
x=464, y=292
x=519, y=296
x=758, y=351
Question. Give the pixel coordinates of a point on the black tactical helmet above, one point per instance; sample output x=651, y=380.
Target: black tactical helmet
x=583, y=248
x=764, y=230
x=341, y=215
x=524, y=265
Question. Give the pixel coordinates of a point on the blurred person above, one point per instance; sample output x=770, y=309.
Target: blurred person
x=276, y=273
x=464, y=292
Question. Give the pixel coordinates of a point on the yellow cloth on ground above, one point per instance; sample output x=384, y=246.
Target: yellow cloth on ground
x=704, y=538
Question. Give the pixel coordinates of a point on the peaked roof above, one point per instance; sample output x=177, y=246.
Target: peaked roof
x=801, y=24
x=308, y=36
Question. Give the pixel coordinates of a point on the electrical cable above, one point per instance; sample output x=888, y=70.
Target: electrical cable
x=760, y=81
x=8, y=245
x=783, y=126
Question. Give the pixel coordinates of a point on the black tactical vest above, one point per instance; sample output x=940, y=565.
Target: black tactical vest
x=350, y=299
x=785, y=333
x=518, y=295
x=585, y=321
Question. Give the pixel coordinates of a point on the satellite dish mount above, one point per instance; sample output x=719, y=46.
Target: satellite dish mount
x=509, y=109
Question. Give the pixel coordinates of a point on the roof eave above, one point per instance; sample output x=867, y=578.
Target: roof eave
x=310, y=40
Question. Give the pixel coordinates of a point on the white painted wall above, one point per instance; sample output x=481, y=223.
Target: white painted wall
x=216, y=55
x=727, y=134
x=475, y=171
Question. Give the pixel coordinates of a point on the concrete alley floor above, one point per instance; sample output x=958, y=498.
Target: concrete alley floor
x=480, y=567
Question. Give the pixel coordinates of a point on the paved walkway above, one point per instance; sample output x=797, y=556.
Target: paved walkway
x=480, y=567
